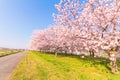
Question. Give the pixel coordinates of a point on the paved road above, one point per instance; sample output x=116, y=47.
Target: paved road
x=8, y=64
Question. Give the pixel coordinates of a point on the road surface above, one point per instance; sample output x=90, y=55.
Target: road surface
x=8, y=64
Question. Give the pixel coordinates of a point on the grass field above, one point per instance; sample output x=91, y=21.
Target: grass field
x=5, y=54
x=39, y=66
x=6, y=51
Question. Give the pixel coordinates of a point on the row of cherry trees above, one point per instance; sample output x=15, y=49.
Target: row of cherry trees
x=82, y=26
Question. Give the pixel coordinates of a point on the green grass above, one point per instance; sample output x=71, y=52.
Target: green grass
x=5, y=54
x=40, y=66
x=7, y=51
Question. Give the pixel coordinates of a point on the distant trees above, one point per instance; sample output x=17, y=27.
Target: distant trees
x=91, y=26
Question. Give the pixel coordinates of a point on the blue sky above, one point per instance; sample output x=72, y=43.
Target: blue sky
x=18, y=18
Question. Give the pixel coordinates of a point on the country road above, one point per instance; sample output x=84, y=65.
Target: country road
x=8, y=64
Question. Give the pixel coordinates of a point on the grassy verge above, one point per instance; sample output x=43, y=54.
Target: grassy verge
x=39, y=66
x=5, y=54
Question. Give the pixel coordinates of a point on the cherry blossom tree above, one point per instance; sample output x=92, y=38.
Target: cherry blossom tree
x=107, y=16
x=101, y=17
x=91, y=26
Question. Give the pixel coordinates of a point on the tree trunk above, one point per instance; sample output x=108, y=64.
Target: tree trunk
x=91, y=53
x=55, y=54
x=113, y=63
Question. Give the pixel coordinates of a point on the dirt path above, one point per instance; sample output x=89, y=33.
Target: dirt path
x=8, y=63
